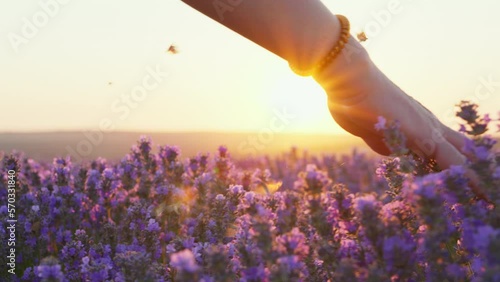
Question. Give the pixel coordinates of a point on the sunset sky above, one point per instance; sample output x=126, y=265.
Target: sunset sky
x=74, y=71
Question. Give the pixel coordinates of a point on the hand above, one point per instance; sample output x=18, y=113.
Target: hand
x=426, y=135
x=362, y=93
x=358, y=92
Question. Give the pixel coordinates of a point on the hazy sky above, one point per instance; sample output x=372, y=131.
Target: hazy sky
x=72, y=65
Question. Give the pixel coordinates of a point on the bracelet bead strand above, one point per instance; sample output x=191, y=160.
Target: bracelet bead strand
x=332, y=54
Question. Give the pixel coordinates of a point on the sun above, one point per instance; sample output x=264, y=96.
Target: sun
x=302, y=91
x=305, y=99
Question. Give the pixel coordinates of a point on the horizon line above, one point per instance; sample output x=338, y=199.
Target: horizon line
x=169, y=132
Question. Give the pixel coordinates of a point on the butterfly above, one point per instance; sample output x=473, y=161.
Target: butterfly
x=362, y=36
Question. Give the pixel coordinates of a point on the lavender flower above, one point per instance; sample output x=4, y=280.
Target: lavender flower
x=184, y=261
x=50, y=270
x=152, y=217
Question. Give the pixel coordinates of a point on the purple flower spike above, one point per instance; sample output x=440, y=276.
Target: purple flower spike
x=184, y=261
x=50, y=270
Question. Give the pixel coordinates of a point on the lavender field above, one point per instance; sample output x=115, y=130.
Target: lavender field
x=295, y=217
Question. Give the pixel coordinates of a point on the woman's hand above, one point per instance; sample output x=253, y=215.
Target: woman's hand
x=358, y=92
x=357, y=98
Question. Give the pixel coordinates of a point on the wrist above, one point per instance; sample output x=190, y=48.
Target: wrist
x=332, y=50
x=349, y=77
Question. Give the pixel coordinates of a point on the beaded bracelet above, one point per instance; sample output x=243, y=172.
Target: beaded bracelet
x=333, y=53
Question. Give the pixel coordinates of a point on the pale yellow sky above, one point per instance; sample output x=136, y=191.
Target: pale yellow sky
x=55, y=76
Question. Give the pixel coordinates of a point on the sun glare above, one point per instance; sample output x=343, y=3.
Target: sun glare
x=303, y=98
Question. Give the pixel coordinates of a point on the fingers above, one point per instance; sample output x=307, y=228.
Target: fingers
x=455, y=138
x=475, y=184
x=447, y=155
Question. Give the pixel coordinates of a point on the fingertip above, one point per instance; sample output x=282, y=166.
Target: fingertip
x=458, y=140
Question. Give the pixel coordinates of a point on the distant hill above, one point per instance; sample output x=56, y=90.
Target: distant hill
x=114, y=145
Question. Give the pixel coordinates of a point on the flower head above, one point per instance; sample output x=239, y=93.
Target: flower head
x=50, y=270
x=184, y=261
x=365, y=202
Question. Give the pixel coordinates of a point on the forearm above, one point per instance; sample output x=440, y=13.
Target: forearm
x=299, y=31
